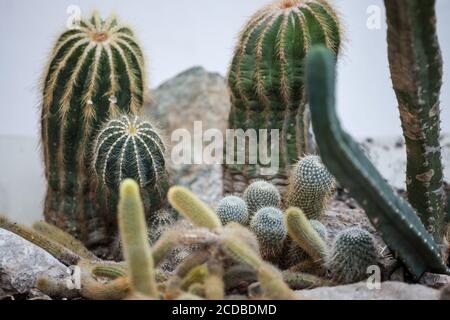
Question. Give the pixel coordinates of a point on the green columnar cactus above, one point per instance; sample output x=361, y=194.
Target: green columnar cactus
x=261, y=194
x=304, y=235
x=266, y=80
x=95, y=71
x=133, y=233
x=310, y=187
x=416, y=70
x=130, y=147
x=192, y=208
x=399, y=225
x=296, y=254
x=268, y=226
x=353, y=251
x=232, y=208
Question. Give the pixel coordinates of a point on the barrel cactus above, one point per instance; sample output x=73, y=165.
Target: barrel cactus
x=130, y=147
x=232, y=208
x=261, y=194
x=352, y=253
x=310, y=187
x=94, y=71
x=266, y=80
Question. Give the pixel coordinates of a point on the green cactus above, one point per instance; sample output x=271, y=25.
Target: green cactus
x=267, y=84
x=95, y=71
x=268, y=226
x=133, y=233
x=298, y=280
x=296, y=254
x=261, y=194
x=232, y=208
x=395, y=219
x=192, y=208
x=304, y=235
x=353, y=251
x=310, y=187
x=416, y=70
x=130, y=147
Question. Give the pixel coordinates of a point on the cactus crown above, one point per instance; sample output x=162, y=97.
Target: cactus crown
x=232, y=208
x=261, y=194
x=352, y=252
x=310, y=187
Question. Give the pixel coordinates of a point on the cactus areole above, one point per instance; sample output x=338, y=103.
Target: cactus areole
x=266, y=81
x=95, y=71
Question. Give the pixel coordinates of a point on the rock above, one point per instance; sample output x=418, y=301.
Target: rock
x=390, y=290
x=22, y=262
x=435, y=280
x=194, y=95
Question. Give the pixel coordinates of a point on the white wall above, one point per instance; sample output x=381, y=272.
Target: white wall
x=176, y=35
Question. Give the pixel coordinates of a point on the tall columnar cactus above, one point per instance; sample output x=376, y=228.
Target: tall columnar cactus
x=266, y=80
x=268, y=226
x=398, y=223
x=353, y=251
x=95, y=70
x=310, y=187
x=133, y=233
x=261, y=194
x=416, y=68
x=130, y=147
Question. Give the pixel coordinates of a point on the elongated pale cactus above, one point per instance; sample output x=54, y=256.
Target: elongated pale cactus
x=310, y=187
x=130, y=147
x=133, y=233
x=395, y=219
x=266, y=80
x=353, y=251
x=261, y=194
x=95, y=70
x=416, y=68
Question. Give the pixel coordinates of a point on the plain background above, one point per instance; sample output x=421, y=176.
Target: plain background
x=176, y=35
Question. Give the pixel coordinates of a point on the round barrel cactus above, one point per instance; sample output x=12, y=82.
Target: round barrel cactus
x=95, y=71
x=266, y=81
x=130, y=147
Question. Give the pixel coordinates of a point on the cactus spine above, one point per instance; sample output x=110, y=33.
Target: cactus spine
x=133, y=233
x=130, y=147
x=402, y=230
x=266, y=79
x=416, y=70
x=310, y=187
x=95, y=71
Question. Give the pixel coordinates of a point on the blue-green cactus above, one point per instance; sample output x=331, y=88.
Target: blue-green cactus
x=353, y=251
x=270, y=230
x=232, y=208
x=261, y=194
x=391, y=215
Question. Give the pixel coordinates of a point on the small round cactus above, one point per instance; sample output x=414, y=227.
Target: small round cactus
x=232, y=208
x=130, y=147
x=261, y=194
x=270, y=230
x=296, y=253
x=352, y=253
x=310, y=187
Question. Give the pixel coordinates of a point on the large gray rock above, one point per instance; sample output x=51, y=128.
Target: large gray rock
x=391, y=290
x=21, y=263
x=194, y=95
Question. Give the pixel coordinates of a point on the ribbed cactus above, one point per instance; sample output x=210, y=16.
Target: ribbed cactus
x=268, y=226
x=398, y=223
x=130, y=147
x=353, y=251
x=95, y=71
x=261, y=194
x=266, y=79
x=133, y=233
x=416, y=70
x=232, y=208
x=310, y=187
